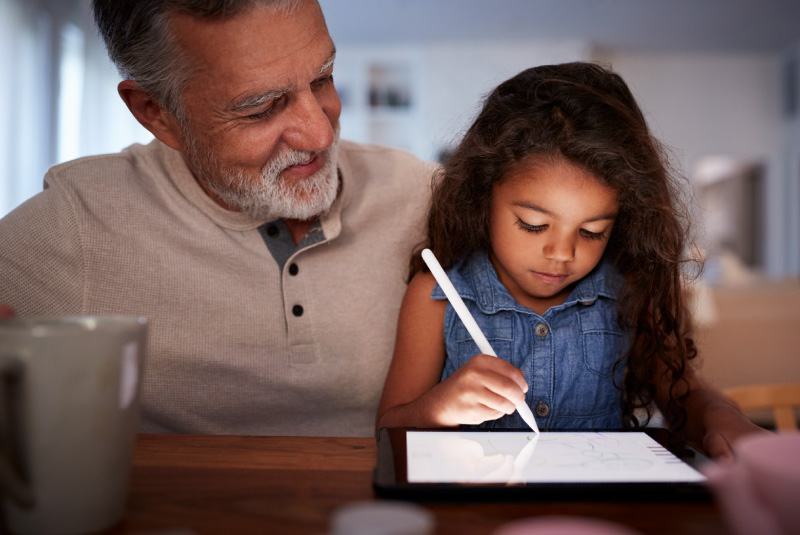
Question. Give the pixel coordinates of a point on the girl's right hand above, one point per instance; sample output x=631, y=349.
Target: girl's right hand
x=485, y=388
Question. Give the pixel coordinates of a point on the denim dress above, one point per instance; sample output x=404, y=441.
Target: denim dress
x=567, y=354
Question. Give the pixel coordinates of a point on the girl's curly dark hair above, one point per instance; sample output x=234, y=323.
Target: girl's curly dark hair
x=587, y=115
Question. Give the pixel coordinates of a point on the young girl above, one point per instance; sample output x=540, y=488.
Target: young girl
x=563, y=230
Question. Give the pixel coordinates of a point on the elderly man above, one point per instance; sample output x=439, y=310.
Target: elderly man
x=269, y=257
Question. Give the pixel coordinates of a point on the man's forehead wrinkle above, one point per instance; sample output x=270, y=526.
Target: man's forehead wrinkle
x=185, y=29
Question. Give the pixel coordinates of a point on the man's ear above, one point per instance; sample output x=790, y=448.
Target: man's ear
x=151, y=114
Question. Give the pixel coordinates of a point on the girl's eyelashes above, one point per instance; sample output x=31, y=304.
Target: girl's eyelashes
x=593, y=235
x=530, y=228
x=540, y=228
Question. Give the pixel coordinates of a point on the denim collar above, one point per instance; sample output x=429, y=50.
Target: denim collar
x=476, y=280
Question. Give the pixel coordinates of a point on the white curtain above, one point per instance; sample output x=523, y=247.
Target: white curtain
x=58, y=97
x=25, y=99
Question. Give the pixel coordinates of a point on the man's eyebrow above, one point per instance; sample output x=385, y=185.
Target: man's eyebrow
x=328, y=63
x=255, y=101
x=536, y=208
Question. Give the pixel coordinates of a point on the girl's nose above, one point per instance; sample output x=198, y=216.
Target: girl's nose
x=560, y=248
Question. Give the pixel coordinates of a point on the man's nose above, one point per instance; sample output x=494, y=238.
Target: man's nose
x=310, y=127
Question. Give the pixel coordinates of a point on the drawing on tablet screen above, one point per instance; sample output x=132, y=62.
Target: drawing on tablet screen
x=513, y=457
x=594, y=450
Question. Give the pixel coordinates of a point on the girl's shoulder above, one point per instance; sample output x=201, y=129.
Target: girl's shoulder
x=423, y=282
x=418, y=306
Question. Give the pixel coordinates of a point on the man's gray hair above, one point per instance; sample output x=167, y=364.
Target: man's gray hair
x=139, y=41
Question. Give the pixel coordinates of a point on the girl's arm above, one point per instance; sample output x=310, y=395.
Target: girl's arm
x=485, y=388
x=712, y=419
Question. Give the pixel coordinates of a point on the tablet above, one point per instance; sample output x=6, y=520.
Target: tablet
x=650, y=463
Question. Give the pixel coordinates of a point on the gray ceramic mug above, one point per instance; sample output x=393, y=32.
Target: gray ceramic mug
x=69, y=403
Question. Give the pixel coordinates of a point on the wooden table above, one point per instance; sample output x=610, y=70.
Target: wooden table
x=208, y=485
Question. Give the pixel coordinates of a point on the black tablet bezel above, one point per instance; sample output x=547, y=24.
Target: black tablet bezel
x=390, y=480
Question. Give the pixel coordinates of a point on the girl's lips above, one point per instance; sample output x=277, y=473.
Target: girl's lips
x=550, y=278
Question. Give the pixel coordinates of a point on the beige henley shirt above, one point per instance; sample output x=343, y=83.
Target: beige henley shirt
x=133, y=233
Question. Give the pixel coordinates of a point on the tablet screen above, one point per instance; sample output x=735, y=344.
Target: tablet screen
x=550, y=457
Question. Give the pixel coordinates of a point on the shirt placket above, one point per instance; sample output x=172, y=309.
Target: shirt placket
x=295, y=287
x=298, y=314
x=543, y=371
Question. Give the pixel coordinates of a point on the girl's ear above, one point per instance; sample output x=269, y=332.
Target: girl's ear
x=150, y=114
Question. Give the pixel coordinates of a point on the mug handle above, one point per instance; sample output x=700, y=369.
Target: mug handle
x=13, y=475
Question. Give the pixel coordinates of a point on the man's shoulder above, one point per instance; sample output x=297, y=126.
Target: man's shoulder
x=135, y=159
x=138, y=172
x=369, y=150
x=372, y=161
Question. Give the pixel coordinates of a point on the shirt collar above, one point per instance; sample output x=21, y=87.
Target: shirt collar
x=476, y=280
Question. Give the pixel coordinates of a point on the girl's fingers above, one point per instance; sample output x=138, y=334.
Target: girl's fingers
x=484, y=388
x=497, y=403
x=504, y=387
x=507, y=369
x=497, y=375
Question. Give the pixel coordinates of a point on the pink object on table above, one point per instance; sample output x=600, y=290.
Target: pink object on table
x=563, y=525
x=759, y=491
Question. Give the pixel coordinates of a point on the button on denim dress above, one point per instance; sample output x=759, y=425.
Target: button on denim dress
x=567, y=354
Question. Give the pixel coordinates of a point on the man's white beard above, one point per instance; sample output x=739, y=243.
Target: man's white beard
x=266, y=197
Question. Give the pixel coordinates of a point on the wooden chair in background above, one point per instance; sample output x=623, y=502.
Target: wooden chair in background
x=782, y=398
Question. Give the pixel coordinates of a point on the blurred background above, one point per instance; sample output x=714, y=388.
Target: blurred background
x=719, y=81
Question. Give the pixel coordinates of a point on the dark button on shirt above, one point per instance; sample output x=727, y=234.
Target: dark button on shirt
x=297, y=310
x=281, y=244
x=542, y=409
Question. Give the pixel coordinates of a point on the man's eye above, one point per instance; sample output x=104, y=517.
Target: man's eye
x=273, y=106
x=530, y=228
x=319, y=83
x=260, y=115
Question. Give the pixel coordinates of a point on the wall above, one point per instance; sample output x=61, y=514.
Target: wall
x=791, y=147
x=729, y=105
x=448, y=82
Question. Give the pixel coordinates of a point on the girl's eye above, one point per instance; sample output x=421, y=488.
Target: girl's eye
x=592, y=235
x=530, y=228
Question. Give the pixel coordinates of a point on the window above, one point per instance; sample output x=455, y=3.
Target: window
x=58, y=95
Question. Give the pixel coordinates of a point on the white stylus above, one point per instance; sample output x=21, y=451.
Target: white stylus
x=469, y=322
